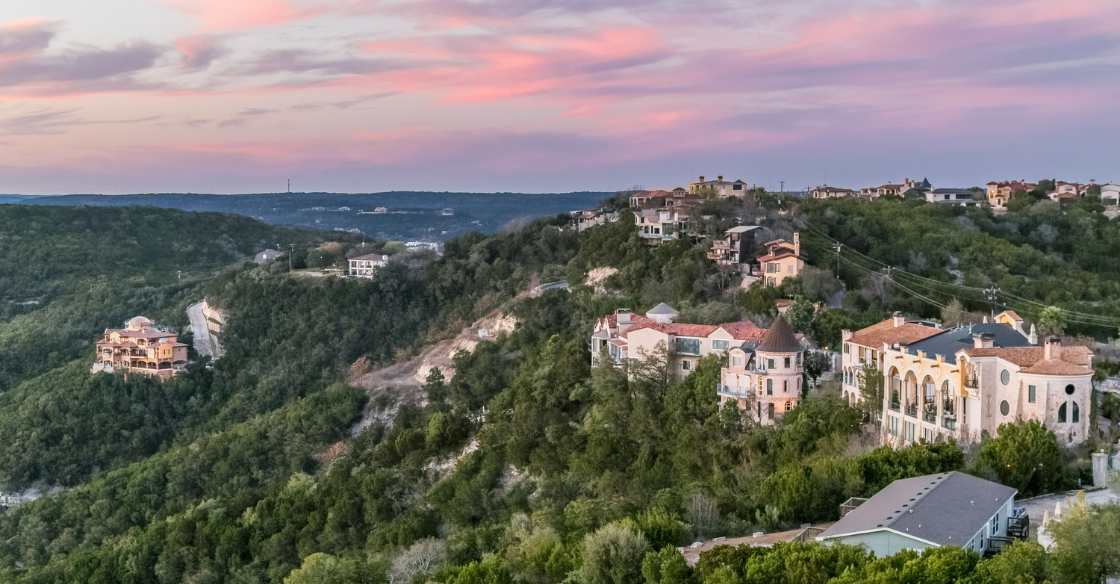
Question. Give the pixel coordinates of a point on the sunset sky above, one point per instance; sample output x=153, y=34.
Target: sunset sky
x=233, y=96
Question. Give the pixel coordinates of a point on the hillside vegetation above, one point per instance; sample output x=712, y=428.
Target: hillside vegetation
x=528, y=465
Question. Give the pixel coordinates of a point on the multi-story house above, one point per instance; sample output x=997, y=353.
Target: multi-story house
x=827, y=192
x=764, y=378
x=782, y=260
x=140, y=348
x=1110, y=197
x=735, y=247
x=658, y=225
x=722, y=188
x=365, y=266
x=999, y=193
x=958, y=383
x=1067, y=188
x=627, y=336
x=949, y=196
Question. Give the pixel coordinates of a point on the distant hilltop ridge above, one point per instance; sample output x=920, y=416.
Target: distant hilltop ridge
x=407, y=216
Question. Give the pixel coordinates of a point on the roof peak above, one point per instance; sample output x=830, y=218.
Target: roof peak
x=779, y=338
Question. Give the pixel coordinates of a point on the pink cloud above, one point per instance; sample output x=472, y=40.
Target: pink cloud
x=241, y=14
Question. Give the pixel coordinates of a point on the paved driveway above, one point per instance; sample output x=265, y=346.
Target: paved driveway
x=201, y=332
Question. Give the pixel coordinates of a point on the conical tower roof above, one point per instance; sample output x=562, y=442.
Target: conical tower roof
x=779, y=339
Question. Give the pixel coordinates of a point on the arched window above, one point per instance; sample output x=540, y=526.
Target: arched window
x=1076, y=413
x=1062, y=414
x=789, y=405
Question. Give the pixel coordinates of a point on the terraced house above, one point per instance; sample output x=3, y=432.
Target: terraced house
x=960, y=382
x=140, y=348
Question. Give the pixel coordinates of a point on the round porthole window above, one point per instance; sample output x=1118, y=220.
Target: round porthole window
x=1069, y=389
x=1005, y=377
x=1004, y=407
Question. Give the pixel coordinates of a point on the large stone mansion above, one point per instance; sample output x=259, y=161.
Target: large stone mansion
x=958, y=383
x=140, y=348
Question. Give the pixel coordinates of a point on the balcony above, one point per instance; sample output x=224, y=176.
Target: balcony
x=1019, y=526
x=912, y=410
x=949, y=422
x=930, y=415
x=971, y=382
x=895, y=405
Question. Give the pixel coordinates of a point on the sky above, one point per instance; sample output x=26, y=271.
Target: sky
x=235, y=96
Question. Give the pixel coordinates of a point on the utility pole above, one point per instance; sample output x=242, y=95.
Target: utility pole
x=992, y=293
x=782, y=183
x=290, y=258
x=837, y=247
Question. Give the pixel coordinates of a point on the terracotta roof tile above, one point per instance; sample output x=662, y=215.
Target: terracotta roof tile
x=1072, y=360
x=743, y=331
x=876, y=335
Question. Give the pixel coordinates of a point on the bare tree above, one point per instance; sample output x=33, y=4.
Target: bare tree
x=702, y=514
x=421, y=557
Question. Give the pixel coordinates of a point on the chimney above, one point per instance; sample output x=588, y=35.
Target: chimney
x=1033, y=337
x=701, y=178
x=983, y=341
x=899, y=320
x=1052, y=350
x=797, y=244
x=719, y=178
x=906, y=181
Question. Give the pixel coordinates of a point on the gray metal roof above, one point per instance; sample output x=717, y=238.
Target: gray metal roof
x=742, y=229
x=779, y=339
x=949, y=342
x=943, y=509
x=662, y=309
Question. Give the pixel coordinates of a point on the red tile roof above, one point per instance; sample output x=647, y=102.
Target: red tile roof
x=1072, y=360
x=776, y=257
x=877, y=334
x=744, y=330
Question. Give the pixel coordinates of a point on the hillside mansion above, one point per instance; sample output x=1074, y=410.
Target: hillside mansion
x=140, y=348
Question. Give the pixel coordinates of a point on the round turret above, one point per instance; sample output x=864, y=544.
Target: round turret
x=138, y=323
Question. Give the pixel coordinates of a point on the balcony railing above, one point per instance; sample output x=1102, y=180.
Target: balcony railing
x=930, y=416
x=895, y=406
x=972, y=382
x=949, y=422
x=912, y=410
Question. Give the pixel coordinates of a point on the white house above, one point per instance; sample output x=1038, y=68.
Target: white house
x=365, y=266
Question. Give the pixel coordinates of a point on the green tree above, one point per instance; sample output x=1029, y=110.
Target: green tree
x=800, y=314
x=872, y=389
x=1023, y=562
x=1086, y=543
x=435, y=387
x=1025, y=456
x=666, y=566
x=613, y=555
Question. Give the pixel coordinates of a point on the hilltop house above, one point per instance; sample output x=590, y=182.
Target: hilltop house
x=782, y=260
x=999, y=193
x=947, y=509
x=658, y=225
x=677, y=198
x=958, y=383
x=827, y=192
x=365, y=266
x=1110, y=196
x=764, y=378
x=628, y=336
x=266, y=256
x=961, y=197
x=722, y=188
x=140, y=348
x=735, y=247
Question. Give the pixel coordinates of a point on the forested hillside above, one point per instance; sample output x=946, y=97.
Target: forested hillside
x=528, y=465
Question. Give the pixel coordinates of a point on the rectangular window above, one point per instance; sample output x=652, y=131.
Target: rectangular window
x=685, y=365
x=846, y=347
x=995, y=524
x=892, y=425
x=799, y=359
x=787, y=363
x=737, y=362
x=785, y=386
x=1031, y=394
x=769, y=363
x=688, y=346
x=910, y=431
x=718, y=345
x=769, y=387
